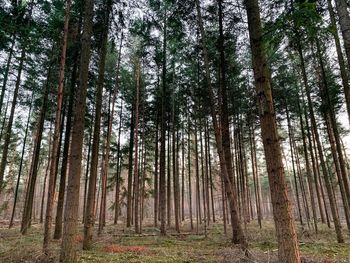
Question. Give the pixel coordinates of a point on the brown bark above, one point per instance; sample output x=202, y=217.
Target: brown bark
x=342, y=67
x=62, y=187
x=21, y=162
x=288, y=248
x=56, y=136
x=136, y=143
x=238, y=235
x=89, y=213
x=344, y=21
x=189, y=167
x=69, y=245
x=33, y=171
x=320, y=151
x=8, y=132
x=175, y=171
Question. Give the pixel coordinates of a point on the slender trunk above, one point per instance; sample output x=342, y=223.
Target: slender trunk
x=33, y=171
x=175, y=171
x=168, y=185
x=131, y=150
x=119, y=168
x=62, y=187
x=333, y=134
x=162, y=179
x=288, y=248
x=136, y=143
x=255, y=176
x=8, y=131
x=342, y=67
x=87, y=171
x=69, y=245
x=56, y=136
x=45, y=179
x=89, y=213
x=293, y=167
x=7, y=70
x=238, y=235
x=332, y=201
x=21, y=162
x=344, y=21
x=156, y=158
x=198, y=200
x=189, y=167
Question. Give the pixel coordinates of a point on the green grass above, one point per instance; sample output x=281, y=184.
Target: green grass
x=186, y=247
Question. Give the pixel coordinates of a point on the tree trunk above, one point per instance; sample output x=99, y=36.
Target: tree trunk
x=69, y=245
x=6, y=73
x=21, y=162
x=344, y=21
x=288, y=248
x=119, y=168
x=136, y=142
x=33, y=171
x=175, y=170
x=162, y=178
x=64, y=170
x=89, y=213
x=189, y=166
x=332, y=201
x=56, y=136
x=8, y=132
x=342, y=67
x=238, y=235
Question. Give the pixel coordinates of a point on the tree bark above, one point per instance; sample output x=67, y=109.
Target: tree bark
x=56, y=136
x=288, y=248
x=238, y=235
x=90, y=213
x=21, y=162
x=69, y=246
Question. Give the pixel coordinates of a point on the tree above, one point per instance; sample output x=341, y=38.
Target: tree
x=288, y=248
x=68, y=246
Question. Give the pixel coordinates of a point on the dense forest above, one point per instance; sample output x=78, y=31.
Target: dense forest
x=174, y=131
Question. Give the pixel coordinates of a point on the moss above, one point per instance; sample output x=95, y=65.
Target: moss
x=186, y=247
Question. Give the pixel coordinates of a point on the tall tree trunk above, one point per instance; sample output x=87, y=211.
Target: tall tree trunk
x=342, y=67
x=332, y=201
x=69, y=246
x=56, y=136
x=255, y=175
x=332, y=128
x=156, y=177
x=288, y=248
x=119, y=168
x=189, y=166
x=89, y=213
x=293, y=167
x=33, y=171
x=136, y=142
x=47, y=170
x=64, y=170
x=90, y=137
x=175, y=170
x=238, y=235
x=162, y=178
x=168, y=185
x=344, y=21
x=131, y=150
x=7, y=70
x=8, y=132
x=198, y=199
x=21, y=162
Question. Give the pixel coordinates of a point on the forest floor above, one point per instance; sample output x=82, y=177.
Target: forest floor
x=119, y=244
